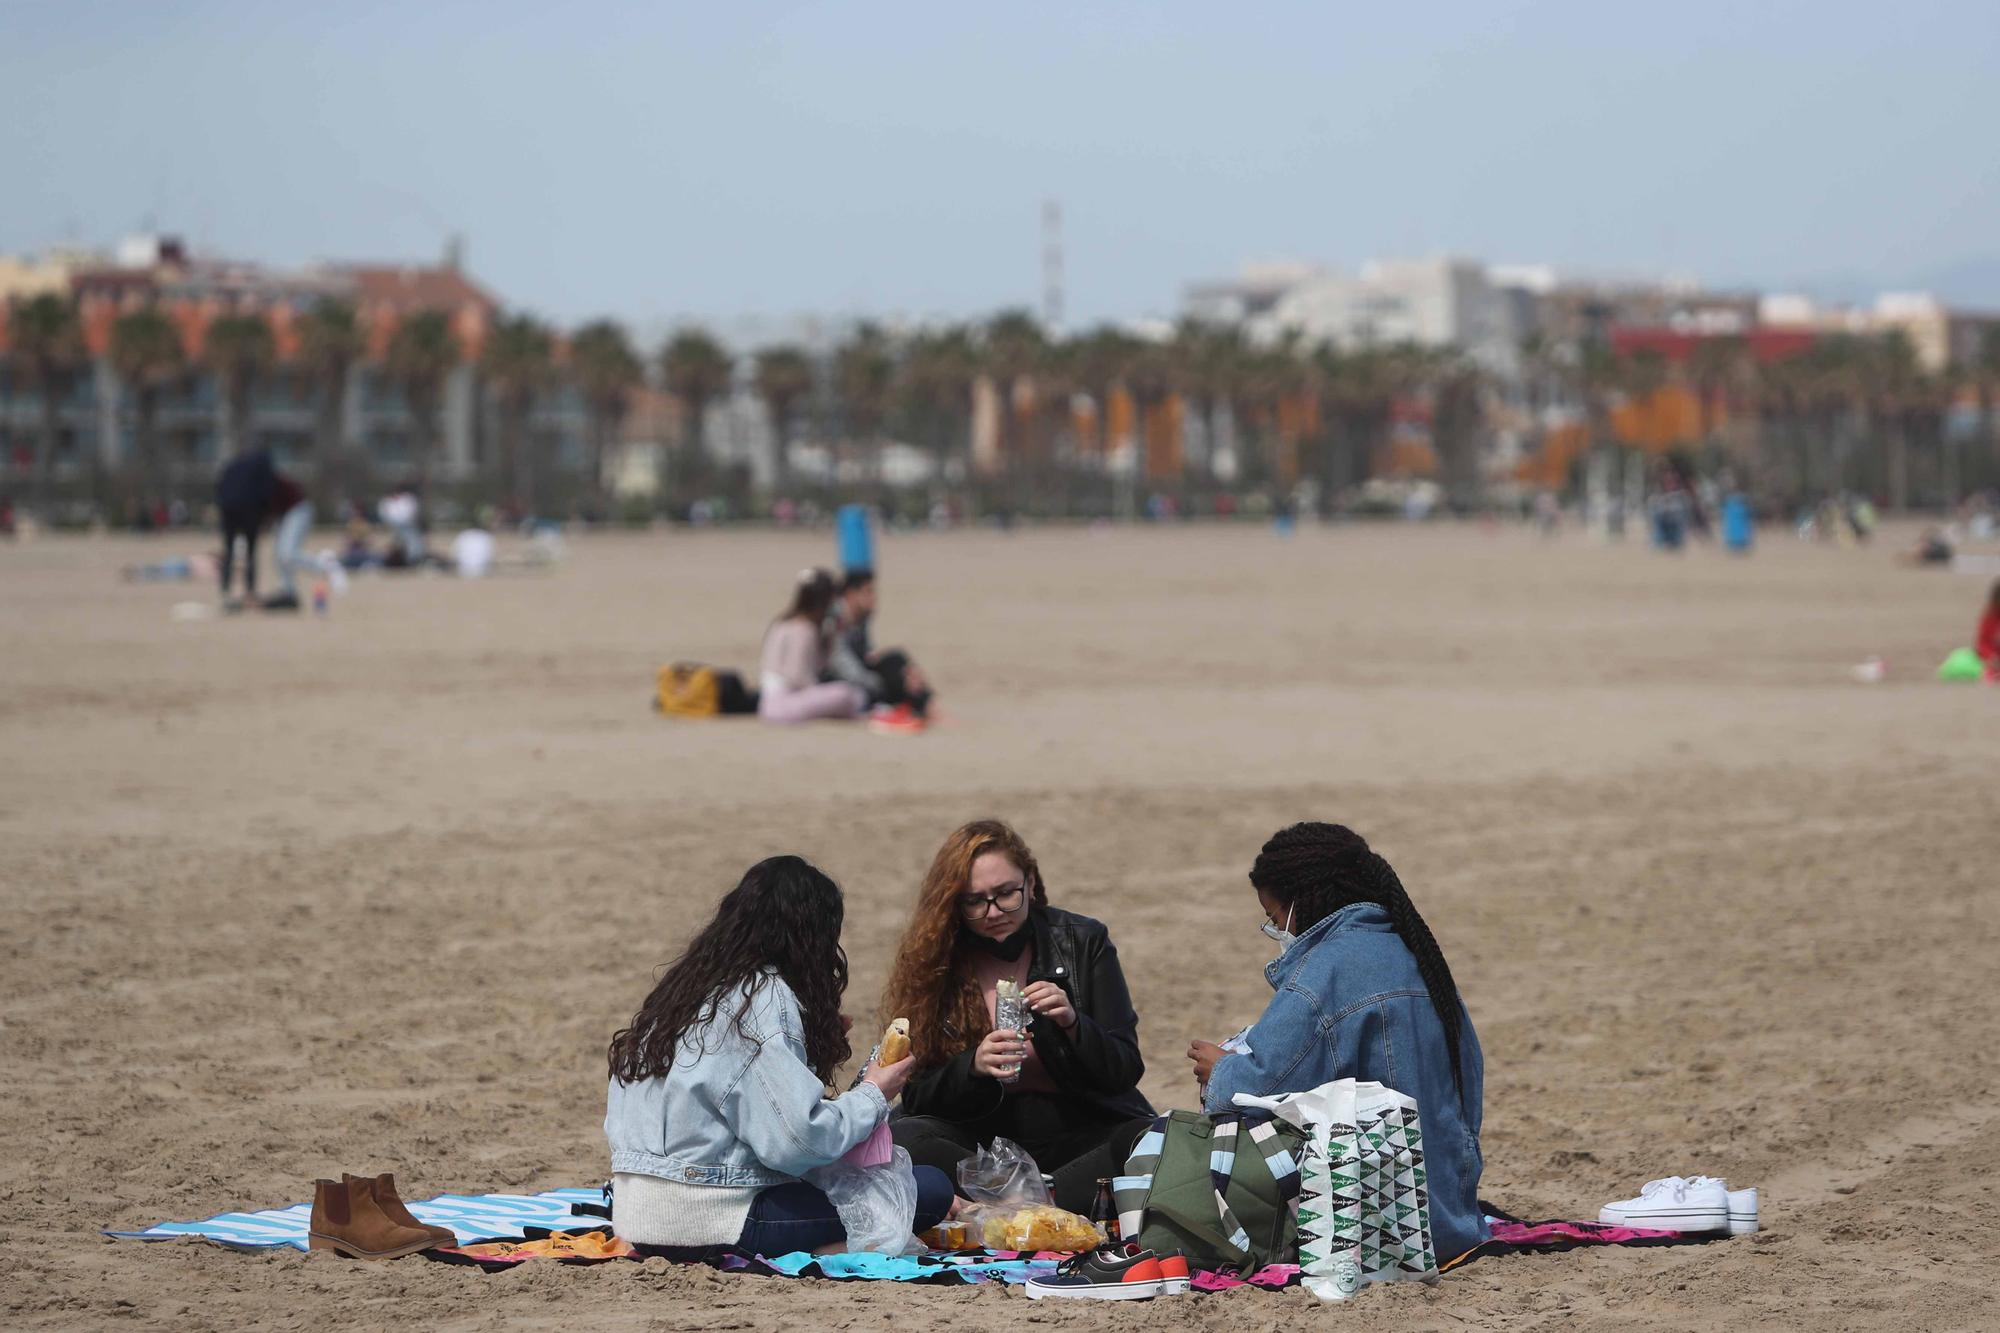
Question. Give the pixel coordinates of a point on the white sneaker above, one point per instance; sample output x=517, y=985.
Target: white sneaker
x=1673, y=1204
x=1742, y=1206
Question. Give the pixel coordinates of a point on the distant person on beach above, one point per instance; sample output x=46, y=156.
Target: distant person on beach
x=1933, y=548
x=402, y=513
x=890, y=678
x=791, y=684
x=1363, y=992
x=717, y=1104
x=249, y=493
x=1069, y=1093
x=1987, y=642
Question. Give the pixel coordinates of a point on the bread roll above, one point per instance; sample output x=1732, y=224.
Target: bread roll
x=895, y=1042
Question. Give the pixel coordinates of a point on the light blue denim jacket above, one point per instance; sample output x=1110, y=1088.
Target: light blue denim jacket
x=1351, y=1004
x=738, y=1108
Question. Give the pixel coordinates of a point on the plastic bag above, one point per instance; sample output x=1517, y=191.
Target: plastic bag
x=877, y=1204
x=1011, y=1208
x=1002, y=1175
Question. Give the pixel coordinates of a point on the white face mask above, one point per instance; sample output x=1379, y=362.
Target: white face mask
x=1283, y=935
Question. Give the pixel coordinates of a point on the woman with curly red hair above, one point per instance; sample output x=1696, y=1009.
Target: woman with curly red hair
x=1066, y=1086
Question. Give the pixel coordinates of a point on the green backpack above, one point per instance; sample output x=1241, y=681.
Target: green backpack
x=1222, y=1189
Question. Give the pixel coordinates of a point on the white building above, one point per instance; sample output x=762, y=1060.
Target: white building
x=1441, y=302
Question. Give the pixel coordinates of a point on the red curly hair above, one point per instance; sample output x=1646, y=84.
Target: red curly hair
x=931, y=983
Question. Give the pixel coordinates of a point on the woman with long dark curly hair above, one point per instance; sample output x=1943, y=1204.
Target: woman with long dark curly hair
x=718, y=1103
x=1363, y=992
x=1065, y=1087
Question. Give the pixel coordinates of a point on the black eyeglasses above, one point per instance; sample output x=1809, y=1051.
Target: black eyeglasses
x=975, y=906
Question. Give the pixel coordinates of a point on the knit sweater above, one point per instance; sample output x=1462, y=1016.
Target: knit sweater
x=650, y=1210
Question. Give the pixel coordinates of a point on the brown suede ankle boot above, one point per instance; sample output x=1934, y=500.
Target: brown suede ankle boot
x=391, y=1204
x=347, y=1220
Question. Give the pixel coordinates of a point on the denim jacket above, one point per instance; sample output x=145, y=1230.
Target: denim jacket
x=1351, y=1004
x=738, y=1108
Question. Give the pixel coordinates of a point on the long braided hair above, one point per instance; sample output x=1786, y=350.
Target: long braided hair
x=1317, y=869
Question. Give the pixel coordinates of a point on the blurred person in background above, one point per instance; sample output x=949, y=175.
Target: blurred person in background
x=895, y=685
x=249, y=493
x=1068, y=1093
x=794, y=660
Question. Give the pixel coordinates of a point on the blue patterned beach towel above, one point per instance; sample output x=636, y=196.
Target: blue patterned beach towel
x=471, y=1217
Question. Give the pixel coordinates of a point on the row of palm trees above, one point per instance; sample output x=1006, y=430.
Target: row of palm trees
x=1842, y=412
x=1847, y=412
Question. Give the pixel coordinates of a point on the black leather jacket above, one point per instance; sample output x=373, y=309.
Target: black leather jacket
x=1097, y=1061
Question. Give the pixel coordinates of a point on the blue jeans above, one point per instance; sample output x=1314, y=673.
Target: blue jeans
x=796, y=1216
x=293, y=529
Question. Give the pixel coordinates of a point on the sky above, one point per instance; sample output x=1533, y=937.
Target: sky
x=664, y=162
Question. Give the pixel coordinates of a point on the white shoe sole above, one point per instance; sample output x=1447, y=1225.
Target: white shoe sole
x=1677, y=1219
x=1122, y=1291
x=1743, y=1224
x=1176, y=1286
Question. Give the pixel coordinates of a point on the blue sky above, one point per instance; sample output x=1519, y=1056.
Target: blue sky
x=661, y=161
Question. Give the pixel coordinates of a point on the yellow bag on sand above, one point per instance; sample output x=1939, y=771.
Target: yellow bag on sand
x=687, y=689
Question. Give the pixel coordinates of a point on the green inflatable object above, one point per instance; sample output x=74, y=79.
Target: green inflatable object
x=1963, y=664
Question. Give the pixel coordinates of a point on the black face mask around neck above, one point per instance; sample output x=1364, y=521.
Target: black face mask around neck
x=1008, y=950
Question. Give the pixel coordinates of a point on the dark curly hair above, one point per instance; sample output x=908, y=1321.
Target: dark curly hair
x=1317, y=869
x=785, y=916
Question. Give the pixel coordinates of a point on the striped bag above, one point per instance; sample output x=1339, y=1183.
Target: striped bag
x=1191, y=1185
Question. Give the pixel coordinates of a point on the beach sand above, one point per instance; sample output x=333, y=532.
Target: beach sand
x=286, y=897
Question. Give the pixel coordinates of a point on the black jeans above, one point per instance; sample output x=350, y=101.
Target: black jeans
x=234, y=526
x=894, y=668
x=1078, y=1147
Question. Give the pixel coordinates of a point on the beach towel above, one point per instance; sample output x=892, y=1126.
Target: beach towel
x=498, y=1231
x=471, y=1217
x=1511, y=1235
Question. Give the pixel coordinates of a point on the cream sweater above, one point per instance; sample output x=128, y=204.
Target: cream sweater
x=649, y=1210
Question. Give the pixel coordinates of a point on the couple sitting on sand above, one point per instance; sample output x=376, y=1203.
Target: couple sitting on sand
x=717, y=1098
x=817, y=660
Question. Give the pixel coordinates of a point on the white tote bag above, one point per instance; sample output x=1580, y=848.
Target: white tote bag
x=1364, y=1210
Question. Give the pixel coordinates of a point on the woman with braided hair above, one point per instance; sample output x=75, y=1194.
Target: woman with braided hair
x=1363, y=992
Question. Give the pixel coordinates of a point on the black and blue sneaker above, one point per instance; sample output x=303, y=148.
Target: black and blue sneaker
x=1103, y=1275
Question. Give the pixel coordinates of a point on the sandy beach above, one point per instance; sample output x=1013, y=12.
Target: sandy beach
x=286, y=897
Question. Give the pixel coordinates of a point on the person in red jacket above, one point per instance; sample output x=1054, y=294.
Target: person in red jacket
x=1987, y=644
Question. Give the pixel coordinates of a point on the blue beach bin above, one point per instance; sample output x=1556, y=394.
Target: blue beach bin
x=856, y=537
x=1738, y=530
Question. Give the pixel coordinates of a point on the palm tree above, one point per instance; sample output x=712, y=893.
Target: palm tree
x=519, y=360
x=864, y=369
x=1716, y=366
x=607, y=370
x=697, y=370
x=422, y=354
x=1208, y=366
x=1010, y=348
x=48, y=344
x=784, y=380
x=934, y=391
x=1986, y=381
x=239, y=350
x=147, y=354
x=330, y=342
x=1457, y=418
